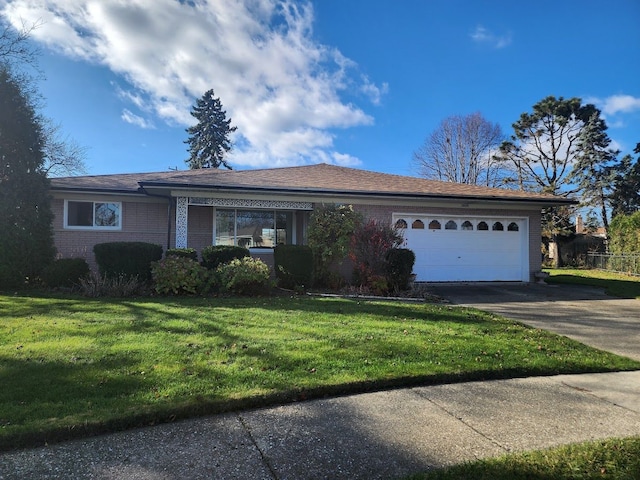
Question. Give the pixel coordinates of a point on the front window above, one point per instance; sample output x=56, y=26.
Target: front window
x=99, y=215
x=253, y=228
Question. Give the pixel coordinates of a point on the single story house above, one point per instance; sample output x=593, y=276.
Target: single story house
x=458, y=232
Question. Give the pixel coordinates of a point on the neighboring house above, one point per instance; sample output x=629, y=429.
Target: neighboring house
x=458, y=232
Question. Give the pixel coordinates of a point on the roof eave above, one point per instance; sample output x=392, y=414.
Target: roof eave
x=327, y=192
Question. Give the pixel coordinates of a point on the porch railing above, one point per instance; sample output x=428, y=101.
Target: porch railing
x=615, y=262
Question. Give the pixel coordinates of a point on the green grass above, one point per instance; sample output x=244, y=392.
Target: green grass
x=613, y=459
x=615, y=284
x=76, y=366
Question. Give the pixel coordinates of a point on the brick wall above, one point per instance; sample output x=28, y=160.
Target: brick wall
x=141, y=222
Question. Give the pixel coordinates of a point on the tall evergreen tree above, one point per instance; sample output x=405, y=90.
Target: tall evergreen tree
x=625, y=197
x=593, y=170
x=543, y=149
x=26, y=235
x=209, y=138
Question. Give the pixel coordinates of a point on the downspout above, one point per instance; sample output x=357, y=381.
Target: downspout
x=170, y=202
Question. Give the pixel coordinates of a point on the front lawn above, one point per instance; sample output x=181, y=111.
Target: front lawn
x=616, y=284
x=78, y=366
x=613, y=459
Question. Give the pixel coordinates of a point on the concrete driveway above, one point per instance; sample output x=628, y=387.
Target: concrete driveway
x=583, y=313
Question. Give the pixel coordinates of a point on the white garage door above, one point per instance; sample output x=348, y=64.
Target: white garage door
x=451, y=249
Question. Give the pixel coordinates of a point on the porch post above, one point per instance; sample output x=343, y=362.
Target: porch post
x=182, y=216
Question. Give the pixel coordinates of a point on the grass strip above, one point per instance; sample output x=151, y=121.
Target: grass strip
x=71, y=367
x=612, y=459
x=614, y=284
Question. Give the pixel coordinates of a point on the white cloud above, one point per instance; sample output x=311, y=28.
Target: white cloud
x=616, y=104
x=484, y=36
x=280, y=87
x=134, y=119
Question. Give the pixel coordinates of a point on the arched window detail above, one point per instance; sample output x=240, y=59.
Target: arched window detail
x=434, y=225
x=400, y=224
x=417, y=225
x=451, y=225
x=483, y=226
x=513, y=227
x=498, y=227
x=466, y=225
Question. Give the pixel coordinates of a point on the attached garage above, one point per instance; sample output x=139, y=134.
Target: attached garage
x=459, y=248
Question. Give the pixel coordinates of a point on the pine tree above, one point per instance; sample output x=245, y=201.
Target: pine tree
x=593, y=170
x=26, y=236
x=625, y=197
x=209, y=138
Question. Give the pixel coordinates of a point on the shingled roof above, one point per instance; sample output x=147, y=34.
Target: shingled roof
x=311, y=179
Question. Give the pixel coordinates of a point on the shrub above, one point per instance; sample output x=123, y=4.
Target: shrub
x=329, y=234
x=293, y=265
x=624, y=233
x=127, y=259
x=178, y=275
x=215, y=255
x=64, y=272
x=399, y=266
x=182, y=252
x=95, y=285
x=369, y=246
x=245, y=276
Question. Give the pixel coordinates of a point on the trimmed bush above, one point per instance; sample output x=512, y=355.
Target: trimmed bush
x=245, y=276
x=64, y=272
x=178, y=275
x=399, y=266
x=293, y=265
x=127, y=259
x=183, y=253
x=215, y=255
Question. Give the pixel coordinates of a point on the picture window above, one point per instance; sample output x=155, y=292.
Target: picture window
x=98, y=215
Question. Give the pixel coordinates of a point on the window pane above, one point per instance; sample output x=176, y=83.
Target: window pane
x=467, y=225
x=107, y=214
x=80, y=214
x=498, y=227
x=255, y=228
x=434, y=225
x=451, y=225
x=400, y=224
x=483, y=226
x=513, y=227
x=225, y=220
x=284, y=228
x=417, y=225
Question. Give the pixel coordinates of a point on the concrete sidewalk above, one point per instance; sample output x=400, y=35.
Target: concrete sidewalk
x=372, y=436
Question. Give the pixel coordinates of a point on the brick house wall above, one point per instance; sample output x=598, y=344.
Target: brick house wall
x=142, y=221
x=147, y=219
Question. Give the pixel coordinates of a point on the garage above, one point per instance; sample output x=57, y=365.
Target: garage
x=472, y=249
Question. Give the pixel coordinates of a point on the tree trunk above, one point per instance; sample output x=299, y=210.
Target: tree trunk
x=554, y=252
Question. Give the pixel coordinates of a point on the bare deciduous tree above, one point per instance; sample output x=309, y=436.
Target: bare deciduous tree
x=62, y=154
x=459, y=150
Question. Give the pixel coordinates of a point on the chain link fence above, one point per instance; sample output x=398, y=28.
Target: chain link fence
x=620, y=263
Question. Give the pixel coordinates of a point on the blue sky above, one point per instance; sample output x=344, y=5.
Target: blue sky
x=351, y=82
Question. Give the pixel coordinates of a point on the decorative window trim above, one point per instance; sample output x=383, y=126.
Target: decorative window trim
x=93, y=227
x=241, y=203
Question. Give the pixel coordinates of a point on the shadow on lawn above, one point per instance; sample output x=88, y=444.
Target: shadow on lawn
x=614, y=287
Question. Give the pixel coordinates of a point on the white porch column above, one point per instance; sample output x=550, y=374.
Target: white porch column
x=182, y=217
